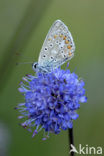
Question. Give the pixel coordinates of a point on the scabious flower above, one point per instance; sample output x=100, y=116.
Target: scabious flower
x=51, y=101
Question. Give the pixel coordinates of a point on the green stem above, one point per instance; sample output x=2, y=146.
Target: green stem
x=71, y=141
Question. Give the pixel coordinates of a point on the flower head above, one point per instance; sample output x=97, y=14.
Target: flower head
x=51, y=101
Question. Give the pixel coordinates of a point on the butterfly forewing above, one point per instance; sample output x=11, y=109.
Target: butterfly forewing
x=58, y=46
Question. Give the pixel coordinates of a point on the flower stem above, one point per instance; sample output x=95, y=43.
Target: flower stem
x=71, y=140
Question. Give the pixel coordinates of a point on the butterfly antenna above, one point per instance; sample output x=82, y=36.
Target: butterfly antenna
x=18, y=54
x=19, y=63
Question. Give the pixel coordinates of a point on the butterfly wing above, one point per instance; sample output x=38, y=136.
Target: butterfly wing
x=58, y=46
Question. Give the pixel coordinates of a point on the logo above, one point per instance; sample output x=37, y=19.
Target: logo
x=86, y=149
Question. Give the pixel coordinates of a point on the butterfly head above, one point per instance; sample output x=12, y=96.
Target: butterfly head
x=35, y=66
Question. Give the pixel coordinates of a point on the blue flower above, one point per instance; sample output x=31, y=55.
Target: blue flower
x=51, y=101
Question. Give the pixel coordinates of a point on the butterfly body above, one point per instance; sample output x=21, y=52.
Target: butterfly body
x=42, y=69
x=57, y=48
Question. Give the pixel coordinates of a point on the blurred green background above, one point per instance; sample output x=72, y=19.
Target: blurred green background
x=23, y=27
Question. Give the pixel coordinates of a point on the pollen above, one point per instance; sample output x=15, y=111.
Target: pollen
x=69, y=47
x=66, y=41
x=55, y=36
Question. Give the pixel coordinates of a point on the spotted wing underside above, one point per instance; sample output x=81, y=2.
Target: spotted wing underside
x=58, y=46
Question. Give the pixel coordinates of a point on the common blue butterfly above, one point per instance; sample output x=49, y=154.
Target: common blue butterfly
x=57, y=48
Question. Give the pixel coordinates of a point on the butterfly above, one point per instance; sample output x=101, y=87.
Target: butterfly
x=57, y=48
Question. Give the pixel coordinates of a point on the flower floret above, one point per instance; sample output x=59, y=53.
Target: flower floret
x=51, y=101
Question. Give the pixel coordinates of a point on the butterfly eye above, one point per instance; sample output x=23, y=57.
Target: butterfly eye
x=55, y=60
x=34, y=66
x=45, y=48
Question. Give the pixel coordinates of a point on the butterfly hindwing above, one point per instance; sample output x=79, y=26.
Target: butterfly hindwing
x=58, y=46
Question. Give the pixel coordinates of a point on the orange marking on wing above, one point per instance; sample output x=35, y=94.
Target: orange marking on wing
x=66, y=41
x=70, y=53
x=55, y=36
x=64, y=38
x=69, y=47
